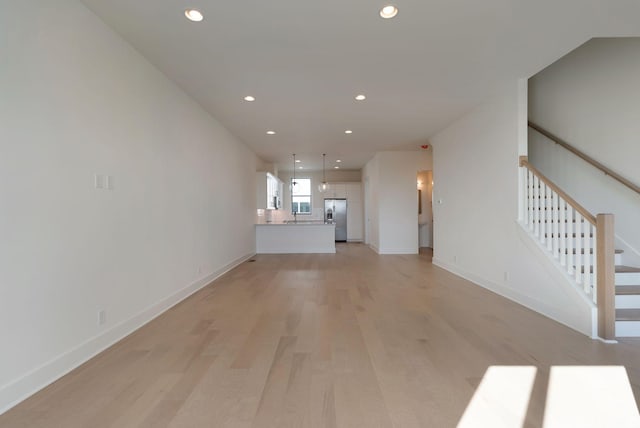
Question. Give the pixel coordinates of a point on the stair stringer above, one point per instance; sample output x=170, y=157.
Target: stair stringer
x=585, y=316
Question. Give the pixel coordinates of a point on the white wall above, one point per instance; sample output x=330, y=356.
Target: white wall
x=589, y=98
x=393, y=220
x=370, y=177
x=76, y=100
x=476, y=234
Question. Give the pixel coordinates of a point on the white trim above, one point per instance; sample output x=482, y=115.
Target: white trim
x=607, y=341
x=560, y=275
x=22, y=388
x=627, y=328
x=627, y=301
x=513, y=295
x=374, y=248
x=543, y=255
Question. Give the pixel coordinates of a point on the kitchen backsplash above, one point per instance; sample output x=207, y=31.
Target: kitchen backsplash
x=280, y=216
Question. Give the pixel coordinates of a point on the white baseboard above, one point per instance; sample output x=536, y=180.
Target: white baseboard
x=374, y=248
x=559, y=275
x=22, y=388
x=511, y=294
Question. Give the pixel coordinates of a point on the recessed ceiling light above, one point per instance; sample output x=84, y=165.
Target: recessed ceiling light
x=194, y=15
x=336, y=167
x=300, y=167
x=361, y=97
x=388, y=11
x=249, y=98
x=298, y=161
x=338, y=160
x=271, y=132
x=348, y=131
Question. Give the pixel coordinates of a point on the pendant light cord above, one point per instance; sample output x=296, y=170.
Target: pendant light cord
x=324, y=177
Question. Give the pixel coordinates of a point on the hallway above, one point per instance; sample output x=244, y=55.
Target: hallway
x=350, y=339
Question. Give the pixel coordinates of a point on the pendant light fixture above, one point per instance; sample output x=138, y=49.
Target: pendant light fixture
x=324, y=186
x=293, y=182
x=292, y=187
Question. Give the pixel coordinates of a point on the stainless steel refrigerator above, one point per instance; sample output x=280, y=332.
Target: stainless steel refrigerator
x=335, y=211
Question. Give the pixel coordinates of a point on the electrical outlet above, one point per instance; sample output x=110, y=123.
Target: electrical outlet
x=102, y=317
x=108, y=182
x=199, y=270
x=506, y=276
x=455, y=259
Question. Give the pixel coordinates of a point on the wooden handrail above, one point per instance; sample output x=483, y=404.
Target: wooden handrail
x=585, y=157
x=582, y=210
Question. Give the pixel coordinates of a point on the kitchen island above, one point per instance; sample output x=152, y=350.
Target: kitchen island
x=292, y=238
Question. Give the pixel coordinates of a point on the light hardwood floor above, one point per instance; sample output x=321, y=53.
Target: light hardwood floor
x=346, y=340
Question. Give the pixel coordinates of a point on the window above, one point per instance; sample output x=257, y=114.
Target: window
x=301, y=196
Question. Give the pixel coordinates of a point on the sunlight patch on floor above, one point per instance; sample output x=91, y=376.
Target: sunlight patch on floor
x=501, y=399
x=590, y=397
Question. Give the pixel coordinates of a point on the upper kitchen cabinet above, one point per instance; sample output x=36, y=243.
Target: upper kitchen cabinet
x=268, y=191
x=336, y=191
x=354, y=192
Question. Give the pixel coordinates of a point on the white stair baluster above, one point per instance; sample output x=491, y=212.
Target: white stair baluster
x=569, y=232
x=530, y=198
x=586, y=256
x=536, y=205
x=544, y=233
x=578, y=245
x=543, y=212
x=594, y=280
x=562, y=223
x=556, y=241
x=524, y=195
x=561, y=229
x=549, y=217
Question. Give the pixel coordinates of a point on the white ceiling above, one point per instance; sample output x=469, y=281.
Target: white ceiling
x=304, y=61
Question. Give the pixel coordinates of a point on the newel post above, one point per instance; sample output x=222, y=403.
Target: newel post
x=606, y=277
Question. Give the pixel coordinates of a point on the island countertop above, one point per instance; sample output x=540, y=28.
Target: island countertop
x=299, y=223
x=292, y=238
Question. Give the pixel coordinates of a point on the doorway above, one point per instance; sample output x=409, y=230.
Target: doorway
x=425, y=209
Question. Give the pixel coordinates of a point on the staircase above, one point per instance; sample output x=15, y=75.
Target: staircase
x=627, y=301
x=582, y=246
x=535, y=195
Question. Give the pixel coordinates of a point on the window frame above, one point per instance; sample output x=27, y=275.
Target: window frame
x=310, y=195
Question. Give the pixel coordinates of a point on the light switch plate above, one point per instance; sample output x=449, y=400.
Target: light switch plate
x=98, y=181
